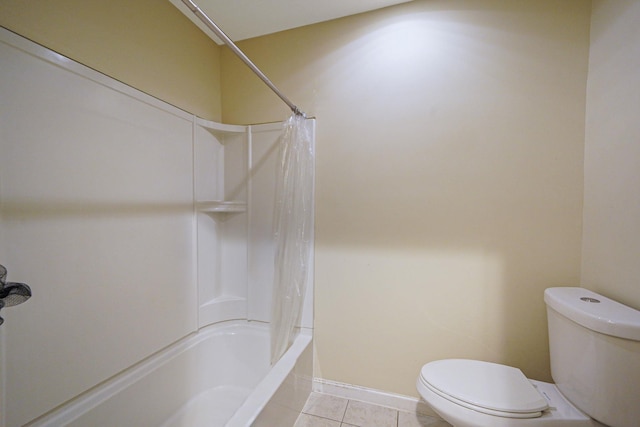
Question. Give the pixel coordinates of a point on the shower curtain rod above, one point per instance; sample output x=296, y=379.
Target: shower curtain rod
x=240, y=54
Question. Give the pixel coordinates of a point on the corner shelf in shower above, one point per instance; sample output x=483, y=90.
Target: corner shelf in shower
x=222, y=206
x=220, y=130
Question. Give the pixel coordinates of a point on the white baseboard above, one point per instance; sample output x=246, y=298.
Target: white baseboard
x=373, y=396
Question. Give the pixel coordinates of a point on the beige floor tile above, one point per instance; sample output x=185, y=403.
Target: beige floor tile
x=366, y=415
x=306, y=420
x=326, y=406
x=412, y=419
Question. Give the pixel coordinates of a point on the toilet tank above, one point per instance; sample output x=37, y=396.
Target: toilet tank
x=595, y=354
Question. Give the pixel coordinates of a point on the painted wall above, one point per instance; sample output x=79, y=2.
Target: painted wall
x=611, y=239
x=450, y=199
x=147, y=44
x=449, y=177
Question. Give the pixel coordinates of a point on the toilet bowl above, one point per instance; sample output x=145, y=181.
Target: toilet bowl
x=594, y=346
x=471, y=393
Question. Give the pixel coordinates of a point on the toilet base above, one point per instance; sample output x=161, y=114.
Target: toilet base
x=561, y=412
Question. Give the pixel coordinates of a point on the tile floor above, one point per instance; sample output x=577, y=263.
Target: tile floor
x=324, y=410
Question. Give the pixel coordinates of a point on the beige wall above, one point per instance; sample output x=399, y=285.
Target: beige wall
x=449, y=177
x=449, y=172
x=611, y=239
x=147, y=44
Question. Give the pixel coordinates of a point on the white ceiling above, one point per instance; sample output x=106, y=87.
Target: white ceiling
x=243, y=19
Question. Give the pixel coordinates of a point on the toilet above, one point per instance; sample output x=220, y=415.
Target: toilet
x=594, y=344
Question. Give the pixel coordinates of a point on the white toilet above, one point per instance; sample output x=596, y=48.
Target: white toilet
x=595, y=363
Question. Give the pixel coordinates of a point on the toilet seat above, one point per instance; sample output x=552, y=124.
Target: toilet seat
x=485, y=387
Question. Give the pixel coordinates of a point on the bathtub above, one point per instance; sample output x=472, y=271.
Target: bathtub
x=219, y=376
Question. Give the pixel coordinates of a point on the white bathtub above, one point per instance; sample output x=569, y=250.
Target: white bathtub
x=219, y=376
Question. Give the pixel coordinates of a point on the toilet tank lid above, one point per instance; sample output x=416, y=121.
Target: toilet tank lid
x=595, y=311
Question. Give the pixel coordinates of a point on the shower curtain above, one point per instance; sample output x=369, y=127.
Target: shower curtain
x=293, y=227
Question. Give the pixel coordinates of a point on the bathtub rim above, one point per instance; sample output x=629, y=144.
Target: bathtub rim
x=256, y=402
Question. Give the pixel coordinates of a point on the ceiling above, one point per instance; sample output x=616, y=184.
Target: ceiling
x=244, y=19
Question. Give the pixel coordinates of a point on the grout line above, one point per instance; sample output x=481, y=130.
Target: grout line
x=357, y=398
x=320, y=416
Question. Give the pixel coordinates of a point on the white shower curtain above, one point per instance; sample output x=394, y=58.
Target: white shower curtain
x=293, y=222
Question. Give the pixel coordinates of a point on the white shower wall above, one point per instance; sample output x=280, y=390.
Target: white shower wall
x=113, y=208
x=221, y=202
x=97, y=217
x=235, y=221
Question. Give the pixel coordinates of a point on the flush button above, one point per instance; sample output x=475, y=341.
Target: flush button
x=587, y=299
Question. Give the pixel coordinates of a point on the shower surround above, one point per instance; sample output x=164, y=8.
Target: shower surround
x=146, y=236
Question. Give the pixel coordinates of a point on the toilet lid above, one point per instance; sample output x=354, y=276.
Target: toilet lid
x=486, y=387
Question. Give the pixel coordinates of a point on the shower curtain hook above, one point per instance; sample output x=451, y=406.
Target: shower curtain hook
x=298, y=112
